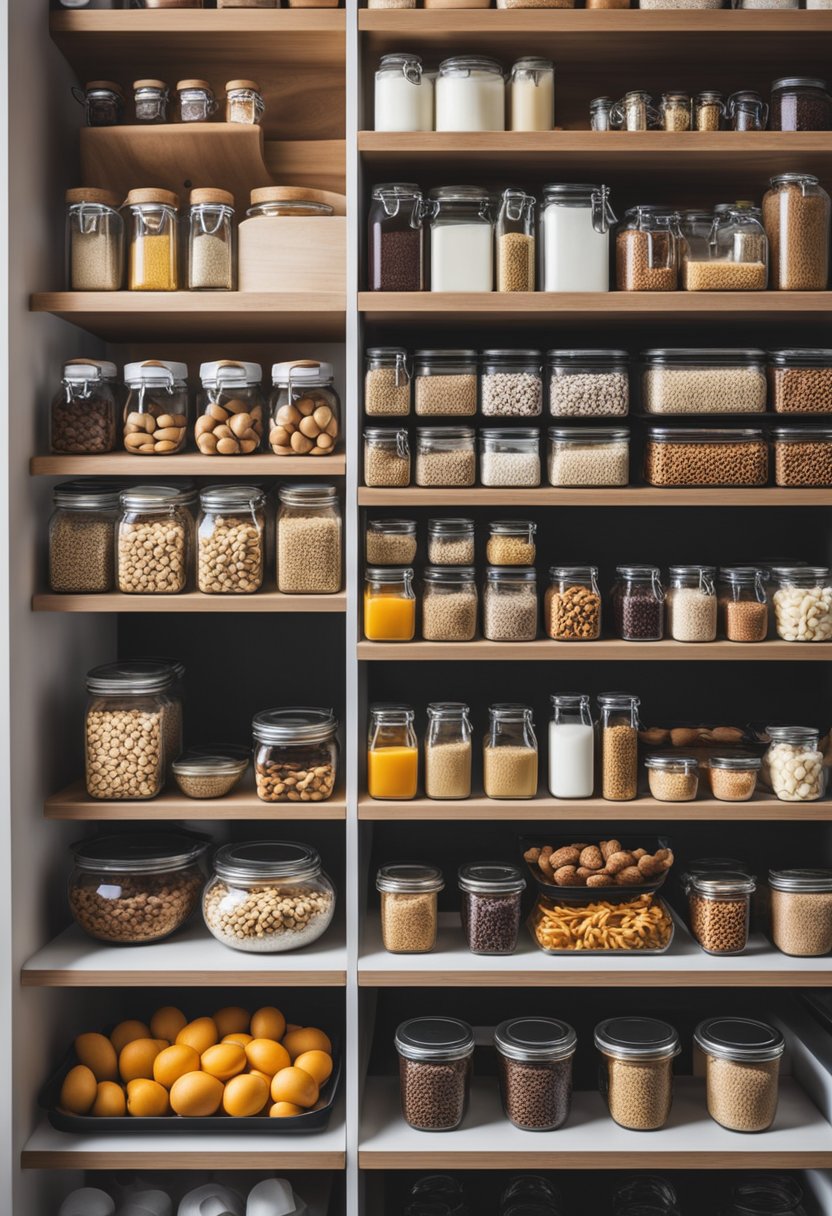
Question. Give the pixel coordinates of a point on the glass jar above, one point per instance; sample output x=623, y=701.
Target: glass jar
x=470, y=95
x=511, y=542
x=510, y=456
x=268, y=896
x=451, y=542
x=575, y=221
x=156, y=407
x=743, y=604
x=634, y=112
x=514, y=232
x=571, y=747
x=800, y=103
x=531, y=98
x=389, y=604
x=647, y=250
x=600, y=118
x=231, y=540
x=618, y=728
x=703, y=381
x=125, y=730
x=231, y=408
x=510, y=753
x=746, y=111
x=510, y=604
x=196, y=101
x=692, y=604
x=308, y=540
x=387, y=382
x=445, y=382
x=733, y=258
x=409, y=916
x=588, y=383
x=82, y=416
x=291, y=742
x=445, y=456
x=511, y=384
x=796, y=212
x=490, y=907
x=212, y=241
x=802, y=456
x=708, y=110
x=403, y=94
x=676, y=111
x=765, y=1195
x=82, y=537
x=803, y=604
x=153, y=240
x=584, y=456
x=742, y=1067
x=392, y=753
x=305, y=409
x=449, y=604
x=448, y=751
x=733, y=778
x=396, y=238
x=386, y=457
x=672, y=778
x=94, y=240
x=154, y=541
x=572, y=604
x=461, y=239
x=534, y=1059
x=103, y=102
x=137, y=887
x=801, y=912
x=800, y=381
x=695, y=456
x=244, y=102
x=793, y=765
x=434, y=1072
x=645, y=1195
x=637, y=1070
x=638, y=604
x=151, y=101
x=719, y=907
x=390, y=542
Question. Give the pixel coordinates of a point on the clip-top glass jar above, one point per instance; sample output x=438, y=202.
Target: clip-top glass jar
x=572, y=604
x=151, y=101
x=535, y=1070
x=742, y=1068
x=409, y=917
x=746, y=111
x=600, y=118
x=103, y=102
x=510, y=753
x=743, y=603
x=634, y=112
x=645, y=1195
x=448, y=750
x=470, y=94
x=153, y=240
x=390, y=542
x=125, y=729
x=531, y=95
x=511, y=542
x=676, y=111
x=800, y=103
x=708, y=110
x=647, y=250
x=244, y=102
x=309, y=539
x=231, y=540
x=387, y=382
x=434, y=1072
x=82, y=416
x=801, y=912
x=295, y=754
x=571, y=747
x=156, y=407
x=510, y=456
x=461, y=239
x=396, y=238
x=154, y=541
x=449, y=604
x=94, y=240
x=637, y=1070
x=514, y=231
x=403, y=94
x=575, y=221
x=510, y=604
x=389, y=604
x=638, y=604
x=196, y=100
x=212, y=241
x=82, y=537
x=692, y=604
x=796, y=214
x=618, y=728
x=392, y=753
x=305, y=409
x=803, y=603
x=733, y=257
x=793, y=764
x=451, y=542
x=767, y=1195
x=231, y=408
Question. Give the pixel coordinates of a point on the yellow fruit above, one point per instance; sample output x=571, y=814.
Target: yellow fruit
x=264, y=1076
x=196, y=1094
x=223, y=1060
x=296, y=1086
x=135, y=1061
x=232, y=1020
x=99, y=1055
x=199, y=1034
x=126, y=1032
x=79, y=1090
x=317, y=1063
x=297, y=1042
x=167, y=1022
x=244, y=1096
x=267, y=1056
x=268, y=1023
x=285, y=1110
x=109, y=1101
x=146, y=1099
x=173, y=1063
x=239, y=1038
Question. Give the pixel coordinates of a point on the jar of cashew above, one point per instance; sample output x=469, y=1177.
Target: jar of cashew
x=295, y=754
x=231, y=540
x=305, y=409
x=231, y=408
x=156, y=408
x=125, y=729
x=154, y=535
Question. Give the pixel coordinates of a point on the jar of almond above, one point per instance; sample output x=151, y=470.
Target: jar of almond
x=801, y=911
x=231, y=408
x=156, y=408
x=295, y=754
x=305, y=409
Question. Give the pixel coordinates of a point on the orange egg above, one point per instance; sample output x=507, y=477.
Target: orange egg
x=109, y=1101
x=136, y=1059
x=232, y=1020
x=285, y=1110
x=267, y=1056
x=317, y=1063
x=199, y=1034
x=167, y=1022
x=223, y=1060
x=146, y=1099
x=237, y=1037
x=99, y=1055
x=126, y=1032
x=295, y=1085
x=244, y=1096
x=196, y=1094
x=308, y=1039
x=79, y=1090
x=173, y=1063
x=268, y=1023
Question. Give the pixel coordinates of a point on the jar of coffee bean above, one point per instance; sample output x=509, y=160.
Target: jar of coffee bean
x=82, y=537
x=535, y=1069
x=719, y=906
x=800, y=103
x=637, y=1076
x=638, y=604
x=83, y=413
x=434, y=1072
x=742, y=1069
x=490, y=907
x=395, y=239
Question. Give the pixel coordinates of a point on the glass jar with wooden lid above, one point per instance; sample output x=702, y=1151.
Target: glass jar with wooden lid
x=103, y=102
x=212, y=241
x=196, y=100
x=151, y=100
x=153, y=216
x=244, y=102
x=94, y=240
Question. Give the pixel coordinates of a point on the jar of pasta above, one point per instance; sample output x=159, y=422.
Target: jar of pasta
x=154, y=539
x=510, y=753
x=230, y=409
x=408, y=900
x=156, y=407
x=637, y=1076
x=448, y=750
x=305, y=409
x=153, y=240
x=231, y=540
x=392, y=753
x=389, y=604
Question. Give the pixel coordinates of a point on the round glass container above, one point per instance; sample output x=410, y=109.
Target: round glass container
x=103, y=102
x=511, y=542
x=230, y=409
x=514, y=236
x=156, y=408
x=153, y=240
x=510, y=456
x=719, y=908
x=672, y=778
x=733, y=778
x=531, y=95
x=196, y=100
x=392, y=753
x=434, y=1072
x=308, y=539
x=387, y=382
x=796, y=212
x=742, y=1067
x=694, y=456
x=82, y=537
x=231, y=540
x=390, y=542
x=511, y=384
x=588, y=383
x=589, y=456
x=470, y=94
x=572, y=604
x=803, y=603
x=645, y=1195
x=800, y=103
x=676, y=111
x=448, y=751
x=386, y=456
x=490, y=907
x=746, y=111
x=449, y=604
x=704, y=381
x=94, y=240
x=618, y=729
x=574, y=225
x=461, y=238
x=638, y=603
x=635, y=112
x=647, y=250
x=244, y=102
x=395, y=240
x=389, y=604
x=637, y=1076
x=535, y=1071
x=445, y=456
x=295, y=754
x=793, y=765
x=409, y=917
x=801, y=911
x=451, y=542
x=510, y=604
x=154, y=541
x=571, y=747
x=510, y=753
x=82, y=416
x=151, y=101
x=126, y=729
x=600, y=114
x=305, y=409
x=212, y=241
x=768, y=1195
x=403, y=94
x=206, y=776
x=743, y=603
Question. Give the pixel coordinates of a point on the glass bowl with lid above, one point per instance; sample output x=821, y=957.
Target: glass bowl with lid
x=211, y=773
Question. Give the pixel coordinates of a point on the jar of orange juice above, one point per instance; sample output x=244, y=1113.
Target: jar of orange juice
x=389, y=604
x=392, y=753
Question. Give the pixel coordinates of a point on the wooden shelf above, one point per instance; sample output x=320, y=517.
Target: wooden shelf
x=606, y=649
x=626, y=496
x=243, y=803
x=188, y=464
x=190, y=601
x=591, y=24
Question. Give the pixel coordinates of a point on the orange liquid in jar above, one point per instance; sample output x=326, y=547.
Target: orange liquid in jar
x=392, y=772
x=389, y=618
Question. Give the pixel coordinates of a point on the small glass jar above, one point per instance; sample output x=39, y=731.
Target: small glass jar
x=574, y=227
x=647, y=250
x=510, y=456
x=692, y=604
x=448, y=751
x=103, y=102
x=244, y=102
x=409, y=916
x=135, y=888
x=305, y=409
x=704, y=381
x=396, y=238
x=445, y=456
x=449, y=604
x=765, y=1195
x=793, y=765
x=743, y=603
x=151, y=101
x=531, y=95
x=94, y=240
x=434, y=1072
x=514, y=237
x=511, y=542
x=445, y=382
x=803, y=604
x=510, y=753
x=800, y=381
x=295, y=754
x=390, y=542
x=742, y=1069
x=154, y=541
x=82, y=416
x=403, y=94
x=212, y=241
x=672, y=778
x=389, y=604
x=708, y=110
x=796, y=212
x=309, y=540
x=534, y=1058
x=572, y=604
x=802, y=456
x=196, y=100
x=638, y=604
x=451, y=542
x=156, y=407
x=82, y=537
x=470, y=95
x=153, y=240
x=387, y=381
x=634, y=112
x=268, y=896
x=676, y=111
x=801, y=912
x=696, y=456
x=733, y=778
x=386, y=456
x=461, y=239
x=600, y=114
x=746, y=111
x=637, y=1070
x=231, y=540
x=584, y=456
x=800, y=103
x=490, y=907
x=125, y=730
x=719, y=908
x=511, y=384
x=588, y=383
x=231, y=408
x=510, y=604
x=392, y=753
x=618, y=729
x=571, y=747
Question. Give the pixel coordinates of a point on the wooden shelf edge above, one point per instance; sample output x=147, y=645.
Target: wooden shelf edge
x=562, y=977
x=72, y=803
x=626, y=496
x=611, y=304
x=594, y=1159
x=586, y=21
x=604, y=650
x=210, y=1157
x=555, y=810
x=735, y=144
x=192, y=303
x=285, y=21
x=184, y=979
x=191, y=601
x=189, y=464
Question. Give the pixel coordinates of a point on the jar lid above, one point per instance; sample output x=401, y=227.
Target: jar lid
x=571, y=191
x=586, y=356
x=532, y=63
x=133, y=676
x=669, y=763
x=618, y=700
x=535, y=1039
x=392, y=711
x=809, y=573
x=398, y=59
x=742, y=1039
x=388, y=574
x=81, y=371
x=681, y=571
x=232, y=85
x=508, y=711
x=741, y=574
x=451, y=355
x=301, y=371
x=105, y=86
x=735, y=764
x=403, y=191
x=576, y=572
x=152, y=195
x=470, y=63
x=511, y=354
x=448, y=574
x=723, y=882
x=386, y=352
x=155, y=372
x=233, y=751
x=600, y=103
x=802, y=434
x=445, y=432
x=450, y=527
x=707, y=95
x=460, y=194
x=401, y=527
x=90, y=194
x=706, y=865
x=651, y=572
x=183, y=494
x=634, y=1038
x=287, y=207
x=689, y=434
x=800, y=179
x=194, y=84
x=801, y=355
x=262, y=860
x=229, y=373
x=808, y=881
x=455, y=710
x=505, y=433
x=308, y=494
x=296, y=724
x=512, y=527
x=231, y=498
x=588, y=432
x=793, y=82
x=429, y=1038
x=87, y=493
x=489, y=879
x=205, y=194
x=144, y=497
x=791, y=734
x=149, y=84
x=215, y=764
x=409, y=877
x=175, y=666
x=702, y=354
x=516, y=574
x=138, y=853
x=569, y=700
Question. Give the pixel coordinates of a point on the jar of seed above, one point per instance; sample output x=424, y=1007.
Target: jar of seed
x=445, y=383
x=390, y=542
x=535, y=1070
x=154, y=541
x=675, y=111
x=212, y=241
x=451, y=542
x=387, y=382
x=309, y=540
x=82, y=537
x=151, y=101
x=638, y=1056
x=231, y=540
x=719, y=907
x=156, y=407
x=511, y=542
x=619, y=745
x=244, y=102
x=409, y=916
x=196, y=100
x=94, y=240
x=153, y=240
x=572, y=604
x=638, y=603
x=742, y=1070
x=125, y=728
x=514, y=229
x=511, y=383
x=386, y=457
x=490, y=907
x=305, y=409
x=647, y=250
x=448, y=751
x=692, y=604
x=801, y=912
x=733, y=778
x=743, y=603
x=510, y=456
x=206, y=776
x=446, y=456
x=449, y=604
x=434, y=1072
x=295, y=754
x=510, y=604
x=510, y=753
x=82, y=417
x=230, y=409
x=672, y=778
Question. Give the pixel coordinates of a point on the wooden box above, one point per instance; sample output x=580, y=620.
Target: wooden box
x=293, y=253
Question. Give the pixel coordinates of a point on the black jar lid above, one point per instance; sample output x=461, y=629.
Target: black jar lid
x=742, y=1039
x=809, y=882
x=535, y=1039
x=491, y=879
x=434, y=1039
x=637, y=1038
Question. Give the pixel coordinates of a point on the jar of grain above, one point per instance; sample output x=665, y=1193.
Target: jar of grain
x=103, y=102
x=647, y=250
x=449, y=604
x=392, y=753
x=618, y=728
x=637, y=1071
x=470, y=95
x=511, y=542
x=156, y=407
x=154, y=541
x=448, y=751
x=94, y=240
x=531, y=96
x=510, y=753
x=510, y=456
x=386, y=456
x=800, y=103
x=742, y=1068
x=672, y=778
x=800, y=381
x=244, y=102
x=571, y=747
x=747, y=111
x=803, y=603
x=409, y=916
x=584, y=456
x=389, y=604
x=451, y=542
x=692, y=604
x=733, y=778
x=445, y=382
x=708, y=110
x=801, y=911
x=534, y=1058
x=230, y=408
x=212, y=241
x=796, y=211
x=82, y=537
x=151, y=101
x=207, y=775
x=719, y=907
x=395, y=238
x=743, y=603
x=514, y=234
x=574, y=227
x=638, y=603
x=434, y=1072
x=403, y=94
x=461, y=236
x=308, y=540
x=704, y=381
x=387, y=382
x=588, y=383
x=153, y=240
x=802, y=456
x=510, y=604
x=572, y=604
x=305, y=409
x=82, y=416
x=512, y=383
x=268, y=896
x=196, y=100
x=676, y=111
x=634, y=112
x=446, y=456
x=735, y=257
x=793, y=765
x=390, y=542
x=125, y=730
x=231, y=540
x=295, y=754
x=694, y=456
x=490, y=907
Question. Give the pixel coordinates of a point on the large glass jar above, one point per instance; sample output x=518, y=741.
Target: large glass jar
x=461, y=239
x=511, y=542
x=700, y=380
x=699, y=456
x=387, y=382
x=575, y=221
x=735, y=257
x=94, y=240
x=510, y=604
x=135, y=888
x=308, y=540
x=514, y=231
x=82, y=537
x=571, y=747
x=801, y=911
x=390, y=542
x=793, y=765
x=803, y=604
x=154, y=541
x=647, y=250
x=82, y=417
x=534, y=1058
x=584, y=456
x=153, y=240
x=767, y=1195
x=445, y=456
x=244, y=102
x=588, y=383
x=618, y=728
x=389, y=604
x=231, y=540
x=434, y=1072
x=156, y=407
x=386, y=456
x=125, y=730
x=802, y=456
x=103, y=102
x=392, y=753
x=637, y=1070
x=796, y=212
x=231, y=408
x=742, y=1070
x=800, y=381
x=692, y=604
x=747, y=111
x=448, y=751
x=267, y=896
x=800, y=103
x=305, y=409
x=396, y=238
x=638, y=604
x=510, y=456
x=403, y=94
x=196, y=100
x=212, y=241
x=743, y=603
x=470, y=95
x=409, y=916
x=719, y=908
x=572, y=604
x=150, y=98
x=451, y=542
x=511, y=384
x=708, y=110
x=510, y=753
x=531, y=96
x=295, y=754
x=449, y=604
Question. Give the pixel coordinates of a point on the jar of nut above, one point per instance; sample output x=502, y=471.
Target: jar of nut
x=156, y=408
x=742, y=1069
x=619, y=745
x=572, y=604
x=408, y=907
x=793, y=764
x=295, y=754
x=125, y=729
x=268, y=896
x=434, y=1072
x=154, y=539
x=82, y=536
x=637, y=1078
x=719, y=906
x=82, y=418
x=308, y=540
x=743, y=603
x=231, y=540
x=231, y=408
x=803, y=603
x=535, y=1070
x=305, y=409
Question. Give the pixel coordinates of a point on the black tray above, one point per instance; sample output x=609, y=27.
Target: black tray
x=584, y=895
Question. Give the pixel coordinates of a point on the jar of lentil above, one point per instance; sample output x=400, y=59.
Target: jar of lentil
x=231, y=540
x=510, y=604
x=535, y=1071
x=800, y=103
x=719, y=907
x=638, y=604
x=451, y=542
x=800, y=381
x=647, y=250
x=801, y=912
x=693, y=456
x=305, y=409
x=514, y=229
x=445, y=382
x=470, y=94
x=692, y=604
x=209, y=775
x=511, y=384
x=434, y=1072
x=676, y=111
x=389, y=604
x=637, y=1070
x=392, y=753
x=803, y=603
x=94, y=240
x=445, y=456
x=490, y=907
x=449, y=604
x=82, y=416
x=151, y=101
x=733, y=778
x=704, y=381
x=510, y=753
x=295, y=754
x=268, y=896
x=742, y=1069
x=386, y=456
x=574, y=230
x=618, y=729
x=153, y=240
x=409, y=917
x=747, y=111
x=154, y=541
x=103, y=102
x=387, y=382
x=244, y=102
x=308, y=540
x=510, y=456
x=588, y=383
x=796, y=212
x=770, y=1196
x=196, y=100
x=390, y=542
x=82, y=537
x=571, y=747
x=125, y=727
x=672, y=778
x=156, y=407
x=802, y=456
x=708, y=110
x=212, y=241
x=448, y=751
x=793, y=765
x=589, y=456
x=511, y=542
x=396, y=238
x=230, y=409
x=743, y=603
x=572, y=604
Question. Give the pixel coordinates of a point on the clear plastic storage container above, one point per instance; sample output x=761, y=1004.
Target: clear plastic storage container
x=588, y=383
x=82, y=416
x=231, y=540
x=309, y=541
x=434, y=1072
x=733, y=778
x=94, y=240
x=510, y=604
x=693, y=456
x=704, y=381
x=802, y=603
x=386, y=456
x=305, y=409
x=736, y=257
x=82, y=537
x=637, y=1070
x=154, y=541
x=451, y=542
x=445, y=456
x=156, y=407
x=511, y=384
x=719, y=909
x=801, y=911
x=408, y=903
x=793, y=765
x=449, y=604
x=742, y=1070
x=490, y=907
x=580, y=456
x=672, y=777
x=534, y=1059
x=295, y=754
x=802, y=456
x=396, y=238
x=510, y=456
x=511, y=542
x=800, y=381
x=390, y=542
x=231, y=408
x=445, y=383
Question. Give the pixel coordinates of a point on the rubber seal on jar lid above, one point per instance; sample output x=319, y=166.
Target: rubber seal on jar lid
x=434, y=1038
x=448, y=574
x=259, y=860
x=479, y=878
x=669, y=763
x=535, y=1039
x=637, y=1038
x=232, y=498
x=409, y=877
x=294, y=725
x=742, y=1039
x=138, y=853
x=811, y=882
x=736, y=764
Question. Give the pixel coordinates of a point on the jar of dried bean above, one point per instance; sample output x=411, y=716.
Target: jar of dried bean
x=434, y=1072
x=154, y=541
x=510, y=753
x=742, y=1068
x=793, y=765
x=535, y=1070
x=572, y=604
x=386, y=382
x=618, y=729
x=801, y=911
x=704, y=381
x=448, y=750
x=103, y=102
x=230, y=409
x=743, y=603
x=125, y=729
x=733, y=778
x=510, y=604
x=156, y=407
x=514, y=230
x=708, y=110
x=490, y=907
x=386, y=456
x=767, y=1195
x=409, y=916
x=153, y=240
x=803, y=603
x=451, y=542
x=151, y=101
x=212, y=241
x=638, y=604
x=82, y=417
x=82, y=537
x=647, y=250
x=588, y=383
x=445, y=382
x=295, y=754
x=449, y=604
x=389, y=604
x=747, y=111
x=231, y=540
x=305, y=409
x=511, y=542
x=800, y=381
x=510, y=456
x=637, y=1070
x=800, y=103
x=694, y=456
x=584, y=456
x=196, y=100
x=244, y=102
x=796, y=213
x=309, y=540
x=94, y=240
x=445, y=456
x=392, y=753
x=511, y=384
x=390, y=542
x=396, y=238
x=672, y=778
x=719, y=907
x=802, y=456
x=692, y=604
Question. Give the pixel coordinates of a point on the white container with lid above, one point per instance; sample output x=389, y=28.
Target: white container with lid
x=403, y=94
x=575, y=220
x=470, y=95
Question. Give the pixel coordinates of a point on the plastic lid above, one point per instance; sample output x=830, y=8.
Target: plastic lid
x=535, y=1039
x=743, y=1039
x=491, y=879
x=90, y=194
x=511, y=354
x=722, y=882
x=156, y=372
x=670, y=763
x=294, y=725
x=79, y=371
x=802, y=434
x=402, y=527
x=510, y=432
x=635, y=1038
x=586, y=356
x=702, y=354
x=131, y=676
x=230, y=373
x=231, y=498
x=138, y=853
x=261, y=860
x=302, y=371
x=808, y=881
x=450, y=527
x=810, y=355
x=87, y=493
x=735, y=764
x=445, y=432
x=601, y=433
x=198, y=764
x=434, y=1038
x=517, y=574
x=409, y=877
x=448, y=574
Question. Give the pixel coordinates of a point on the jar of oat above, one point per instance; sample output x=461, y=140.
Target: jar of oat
x=231, y=540
x=449, y=604
x=82, y=537
x=150, y=98
x=308, y=540
x=733, y=778
x=803, y=603
x=589, y=456
x=305, y=409
x=156, y=407
x=510, y=456
x=801, y=911
x=796, y=211
x=212, y=241
x=704, y=381
x=490, y=907
x=534, y=1058
x=445, y=382
x=154, y=541
x=672, y=778
x=82, y=416
x=446, y=456
x=588, y=383
x=268, y=896
x=511, y=542
x=793, y=765
x=125, y=729
x=719, y=907
x=510, y=753
x=386, y=457
x=638, y=604
x=390, y=542
x=448, y=751
x=295, y=754
x=692, y=604
x=572, y=604
x=387, y=382
x=742, y=1070
x=389, y=604
x=510, y=604
x=94, y=240
x=637, y=1070
x=618, y=730
x=409, y=917
x=230, y=409
x=244, y=102
x=451, y=542
x=743, y=603
x=647, y=250
x=800, y=381
x=153, y=240
x=514, y=237
x=434, y=1072
x=392, y=753
x=512, y=384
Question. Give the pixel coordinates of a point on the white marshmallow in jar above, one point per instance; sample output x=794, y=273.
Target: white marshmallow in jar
x=793, y=765
x=803, y=604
